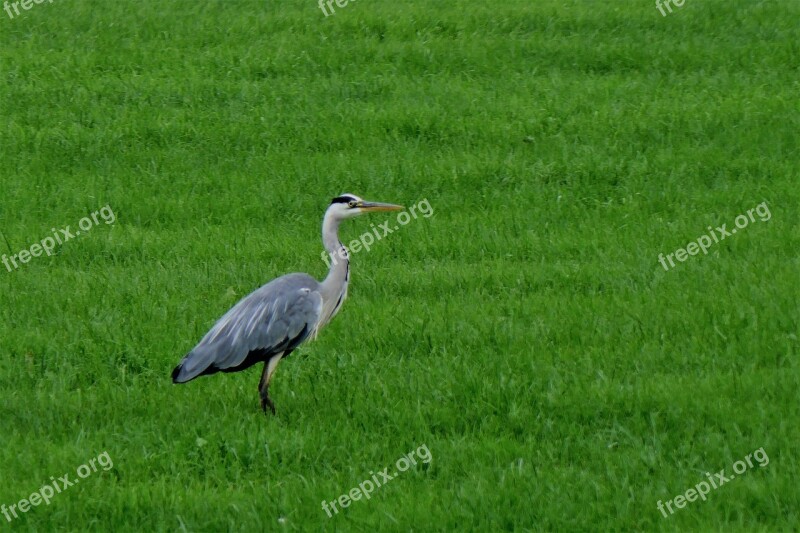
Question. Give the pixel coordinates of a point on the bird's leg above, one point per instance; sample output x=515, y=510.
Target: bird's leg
x=263, y=390
x=263, y=385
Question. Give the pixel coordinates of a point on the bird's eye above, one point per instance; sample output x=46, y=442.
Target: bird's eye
x=352, y=203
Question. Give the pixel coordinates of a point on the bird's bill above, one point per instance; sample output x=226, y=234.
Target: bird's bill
x=378, y=206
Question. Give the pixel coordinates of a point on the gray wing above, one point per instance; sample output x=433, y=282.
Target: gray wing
x=273, y=319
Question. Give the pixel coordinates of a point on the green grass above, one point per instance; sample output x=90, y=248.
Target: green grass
x=525, y=333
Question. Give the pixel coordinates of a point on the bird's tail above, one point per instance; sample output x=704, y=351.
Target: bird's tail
x=196, y=363
x=176, y=374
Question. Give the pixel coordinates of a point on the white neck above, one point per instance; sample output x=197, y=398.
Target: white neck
x=334, y=286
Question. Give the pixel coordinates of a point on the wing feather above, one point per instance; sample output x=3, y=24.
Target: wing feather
x=280, y=314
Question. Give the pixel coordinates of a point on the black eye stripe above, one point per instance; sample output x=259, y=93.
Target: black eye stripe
x=343, y=200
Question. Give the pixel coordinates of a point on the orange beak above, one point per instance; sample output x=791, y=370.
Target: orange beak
x=378, y=206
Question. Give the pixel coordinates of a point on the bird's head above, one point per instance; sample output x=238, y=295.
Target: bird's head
x=350, y=206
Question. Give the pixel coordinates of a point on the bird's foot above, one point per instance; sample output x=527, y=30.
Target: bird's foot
x=267, y=402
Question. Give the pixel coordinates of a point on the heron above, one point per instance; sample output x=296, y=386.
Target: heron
x=272, y=321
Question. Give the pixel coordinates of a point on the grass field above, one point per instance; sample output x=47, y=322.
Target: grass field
x=526, y=334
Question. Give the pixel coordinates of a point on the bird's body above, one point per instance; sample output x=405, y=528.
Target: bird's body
x=269, y=323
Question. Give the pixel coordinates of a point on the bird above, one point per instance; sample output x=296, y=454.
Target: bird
x=271, y=322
